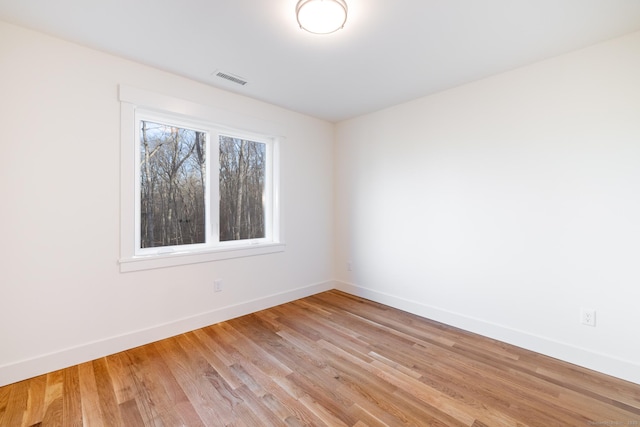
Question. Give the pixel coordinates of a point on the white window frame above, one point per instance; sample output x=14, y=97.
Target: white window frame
x=137, y=105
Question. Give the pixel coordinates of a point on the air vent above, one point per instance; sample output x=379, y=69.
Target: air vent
x=230, y=77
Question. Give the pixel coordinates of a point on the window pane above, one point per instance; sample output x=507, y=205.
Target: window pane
x=242, y=185
x=172, y=185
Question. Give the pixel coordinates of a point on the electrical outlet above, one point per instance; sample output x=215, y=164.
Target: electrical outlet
x=588, y=316
x=217, y=285
x=349, y=266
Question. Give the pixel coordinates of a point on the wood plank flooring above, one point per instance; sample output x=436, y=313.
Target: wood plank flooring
x=327, y=360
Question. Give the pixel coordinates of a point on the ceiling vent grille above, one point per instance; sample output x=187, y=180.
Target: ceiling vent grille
x=230, y=77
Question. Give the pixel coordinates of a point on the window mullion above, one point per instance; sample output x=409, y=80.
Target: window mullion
x=214, y=187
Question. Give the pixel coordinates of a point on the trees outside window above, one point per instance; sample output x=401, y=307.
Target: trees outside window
x=242, y=188
x=172, y=185
x=176, y=188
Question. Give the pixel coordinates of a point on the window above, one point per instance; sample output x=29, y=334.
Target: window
x=242, y=188
x=201, y=191
x=173, y=184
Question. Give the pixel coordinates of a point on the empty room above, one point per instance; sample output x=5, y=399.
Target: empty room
x=320, y=213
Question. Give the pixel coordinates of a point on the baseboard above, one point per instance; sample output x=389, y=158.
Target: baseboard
x=45, y=363
x=603, y=363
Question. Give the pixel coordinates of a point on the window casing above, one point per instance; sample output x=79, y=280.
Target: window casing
x=180, y=203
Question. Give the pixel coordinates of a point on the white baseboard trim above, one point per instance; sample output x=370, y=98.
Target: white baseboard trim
x=46, y=363
x=603, y=363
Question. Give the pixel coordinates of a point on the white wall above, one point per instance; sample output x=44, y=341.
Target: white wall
x=62, y=297
x=506, y=205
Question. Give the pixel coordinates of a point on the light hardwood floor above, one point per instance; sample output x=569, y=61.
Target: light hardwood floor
x=327, y=360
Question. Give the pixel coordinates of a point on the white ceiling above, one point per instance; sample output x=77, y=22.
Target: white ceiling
x=390, y=51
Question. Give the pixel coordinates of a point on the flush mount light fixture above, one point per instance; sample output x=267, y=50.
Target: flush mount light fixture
x=321, y=16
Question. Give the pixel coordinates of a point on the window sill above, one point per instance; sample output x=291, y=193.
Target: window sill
x=148, y=262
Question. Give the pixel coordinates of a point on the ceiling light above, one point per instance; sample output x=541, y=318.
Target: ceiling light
x=321, y=16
